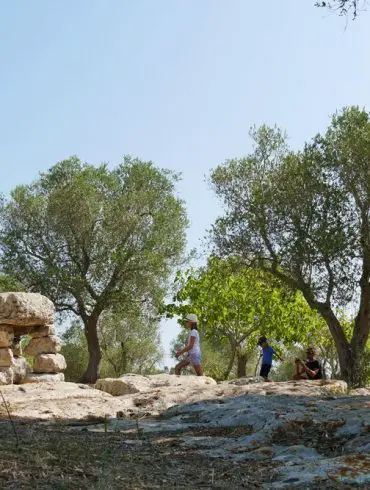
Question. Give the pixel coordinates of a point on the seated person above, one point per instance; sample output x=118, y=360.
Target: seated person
x=311, y=369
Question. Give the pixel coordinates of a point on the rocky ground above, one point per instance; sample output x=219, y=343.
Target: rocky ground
x=184, y=432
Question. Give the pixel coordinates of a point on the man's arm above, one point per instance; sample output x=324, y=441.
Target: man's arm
x=310, y=372
x=277, y=355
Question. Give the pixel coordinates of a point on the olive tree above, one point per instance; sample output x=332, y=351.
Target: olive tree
x=91, y=238
x=304, y=217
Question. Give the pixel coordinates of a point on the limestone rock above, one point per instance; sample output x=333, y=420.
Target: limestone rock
x=6, y=357
x=21, y=369
x=25, y=309
x=133, y=383
x=49, y=363
x=43, y=345
x=6, y=335
x=125, y=385
x=44, y=378
x=247, y=380
x=6, y=376
x=161, y=380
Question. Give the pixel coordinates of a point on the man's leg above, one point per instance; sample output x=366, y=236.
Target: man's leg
x=180, y=366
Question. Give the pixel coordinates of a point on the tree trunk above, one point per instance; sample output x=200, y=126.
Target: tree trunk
x=91, y=374
x=242, y=365
x=350, y=354
x=231, y=362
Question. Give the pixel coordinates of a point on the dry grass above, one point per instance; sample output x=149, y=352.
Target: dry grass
x=58, y=457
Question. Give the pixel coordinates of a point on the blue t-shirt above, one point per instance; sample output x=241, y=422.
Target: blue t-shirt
x=267, y=353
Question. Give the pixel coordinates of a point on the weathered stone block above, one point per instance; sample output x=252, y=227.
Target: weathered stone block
x=49, y=363
x=6, y=357
x=43, y=345
x=6, y=335
x=25, y=309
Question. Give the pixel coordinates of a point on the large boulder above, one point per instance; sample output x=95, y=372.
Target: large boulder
x=43, y=345
x=25, y=309
x=49, y=363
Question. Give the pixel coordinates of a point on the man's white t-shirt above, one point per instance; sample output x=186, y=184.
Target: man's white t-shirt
x=196, y=347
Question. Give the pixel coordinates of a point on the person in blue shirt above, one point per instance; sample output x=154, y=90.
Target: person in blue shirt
x=267, y=355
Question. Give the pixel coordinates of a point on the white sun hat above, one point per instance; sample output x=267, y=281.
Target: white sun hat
x=191, y=317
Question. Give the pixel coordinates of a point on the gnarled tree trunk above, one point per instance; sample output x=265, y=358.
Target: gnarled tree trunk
x=350, y=354
x=91, y=374
x=242, y=364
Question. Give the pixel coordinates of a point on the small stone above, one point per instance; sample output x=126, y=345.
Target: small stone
x=43, y=345
x=44, y=378
x=6, y=376
x=6, y=357
x=21, y=369
x=49, y=363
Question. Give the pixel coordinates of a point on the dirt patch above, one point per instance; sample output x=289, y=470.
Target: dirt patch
x=311, y=433
x=55, y=458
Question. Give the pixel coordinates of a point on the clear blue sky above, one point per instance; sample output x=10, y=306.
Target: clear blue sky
x=178, y=82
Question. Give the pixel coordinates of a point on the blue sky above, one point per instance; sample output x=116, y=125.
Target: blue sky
x=178, y=82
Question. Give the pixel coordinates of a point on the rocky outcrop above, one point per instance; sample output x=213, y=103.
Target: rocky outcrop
x=134, y=383
x=308, y=434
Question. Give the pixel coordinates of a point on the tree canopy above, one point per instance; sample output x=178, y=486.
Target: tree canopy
x=304, y=217
x=91, y=238
x=237, y=304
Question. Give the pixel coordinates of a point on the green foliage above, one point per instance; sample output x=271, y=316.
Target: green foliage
x=130, y=343
x=235, y=305
x=304, y=217
x=128, y=346
x=91, y=238
x=74, y=349
x=9, y=284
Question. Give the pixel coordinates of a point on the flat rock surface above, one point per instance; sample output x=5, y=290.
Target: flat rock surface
x=305, y=435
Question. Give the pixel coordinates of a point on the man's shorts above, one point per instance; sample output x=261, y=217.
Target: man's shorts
x=265, y=369
x=195, y=359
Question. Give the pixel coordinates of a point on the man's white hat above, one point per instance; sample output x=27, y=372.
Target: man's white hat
x=191, y=317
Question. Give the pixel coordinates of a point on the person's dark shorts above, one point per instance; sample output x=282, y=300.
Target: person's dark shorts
x=265, y=369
